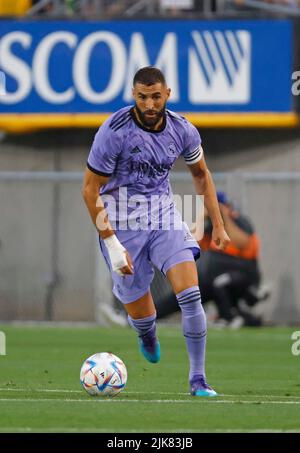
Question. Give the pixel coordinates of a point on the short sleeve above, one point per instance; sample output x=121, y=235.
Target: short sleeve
x=193, y=151
x=104, y=151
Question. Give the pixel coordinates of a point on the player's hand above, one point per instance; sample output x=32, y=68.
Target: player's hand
x=128, y=269
x=120, y=259
x=220, y=237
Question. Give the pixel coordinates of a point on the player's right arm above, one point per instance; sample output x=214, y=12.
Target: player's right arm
x=204, y=185
x=92, y=184
x=119, y=257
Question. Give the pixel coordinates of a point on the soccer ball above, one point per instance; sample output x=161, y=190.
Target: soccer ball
x=103, y=374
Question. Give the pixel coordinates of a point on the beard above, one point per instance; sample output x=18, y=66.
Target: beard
x=152, y=121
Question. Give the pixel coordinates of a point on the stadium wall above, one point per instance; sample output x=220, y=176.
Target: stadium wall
x=50, y=267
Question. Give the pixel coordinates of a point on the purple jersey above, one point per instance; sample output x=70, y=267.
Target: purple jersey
x=141, y=159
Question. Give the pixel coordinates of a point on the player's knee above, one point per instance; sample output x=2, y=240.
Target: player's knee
x=192, y=309
x=142, y=314
x=183, y=276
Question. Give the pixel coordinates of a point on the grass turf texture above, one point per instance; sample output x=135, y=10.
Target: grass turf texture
x=253, y=370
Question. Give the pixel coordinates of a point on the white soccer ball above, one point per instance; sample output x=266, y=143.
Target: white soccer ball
x=103, y=374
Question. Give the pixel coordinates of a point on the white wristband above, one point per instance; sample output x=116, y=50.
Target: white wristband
x=116, y=253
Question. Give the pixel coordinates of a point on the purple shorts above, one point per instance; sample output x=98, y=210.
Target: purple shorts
x=161, y=248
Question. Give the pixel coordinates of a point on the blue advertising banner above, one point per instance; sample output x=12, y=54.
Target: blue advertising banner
x=86, y=68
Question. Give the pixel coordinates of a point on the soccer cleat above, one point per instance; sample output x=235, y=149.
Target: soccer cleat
x=199, y=387
x=150, y=347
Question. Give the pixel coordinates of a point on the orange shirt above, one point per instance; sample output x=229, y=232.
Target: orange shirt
x=250, y=252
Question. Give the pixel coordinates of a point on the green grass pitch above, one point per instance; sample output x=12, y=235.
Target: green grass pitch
x=253, y=370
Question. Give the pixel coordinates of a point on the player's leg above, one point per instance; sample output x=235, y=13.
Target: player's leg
x=172, y=250
x=143, y=307
x=142, y=317
x=134, y=292
x=183, y=277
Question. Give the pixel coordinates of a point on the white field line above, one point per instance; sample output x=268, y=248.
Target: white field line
x=3, y=389
x=128, y=400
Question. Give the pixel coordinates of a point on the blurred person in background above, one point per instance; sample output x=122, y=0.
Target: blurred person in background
x=175, y=7
x=233, y=274
x=230, y=278
x=242, y=5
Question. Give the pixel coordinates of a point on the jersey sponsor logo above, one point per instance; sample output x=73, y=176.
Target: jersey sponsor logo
x=149, y=169
x=219, y=67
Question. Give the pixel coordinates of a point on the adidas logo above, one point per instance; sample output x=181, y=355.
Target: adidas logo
x=188, y=237
x=135, y=150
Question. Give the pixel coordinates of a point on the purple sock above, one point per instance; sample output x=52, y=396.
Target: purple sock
x=144, y=326
x=194, y=328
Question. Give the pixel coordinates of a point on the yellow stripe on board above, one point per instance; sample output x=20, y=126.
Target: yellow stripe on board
x=18, y=123
x=256, y=119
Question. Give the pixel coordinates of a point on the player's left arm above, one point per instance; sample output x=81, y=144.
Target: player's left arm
x=205, y=186
x=240, y=234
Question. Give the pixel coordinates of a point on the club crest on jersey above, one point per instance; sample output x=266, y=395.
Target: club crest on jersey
x=172, y=151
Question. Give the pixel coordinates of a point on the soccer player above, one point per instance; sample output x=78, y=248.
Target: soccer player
x=134, y=150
